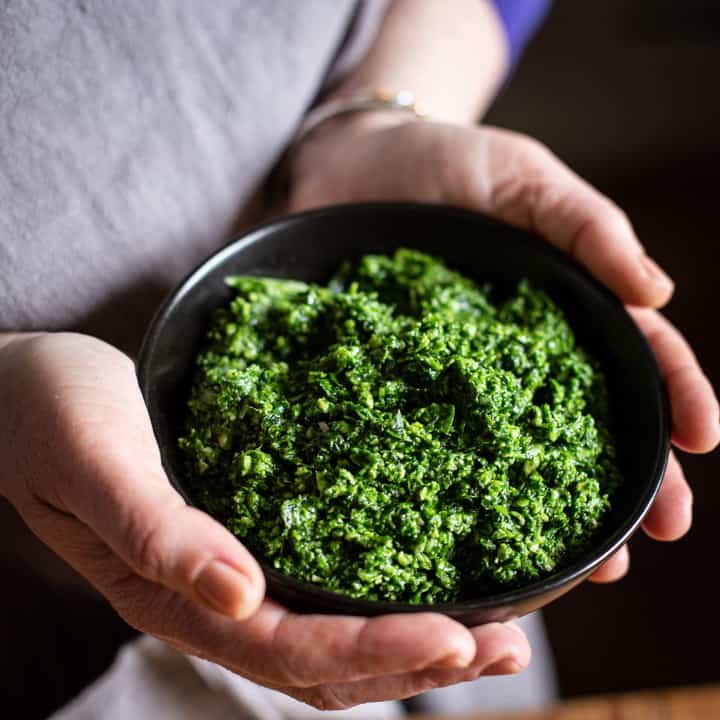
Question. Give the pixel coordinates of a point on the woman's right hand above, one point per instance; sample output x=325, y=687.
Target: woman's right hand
x=81, y=465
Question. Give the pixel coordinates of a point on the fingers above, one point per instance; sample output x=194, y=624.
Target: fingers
x=314, y=649
x=274, y=647
x=133, y=508
x=695, y=410
x=328, y=649
x=668, y=519
x=355, y=660
x=501, y=173
x=113, y=516
x=526, y=185
x=670, y=516
x=384, y=658
x=614, y=568
x=101, y=464
x=281, y=649
x=145, y=605
x=501, y=649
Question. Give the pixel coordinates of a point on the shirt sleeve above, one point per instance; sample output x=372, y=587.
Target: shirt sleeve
x=520, y=18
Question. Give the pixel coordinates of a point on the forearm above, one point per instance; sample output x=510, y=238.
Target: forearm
x=452, y=55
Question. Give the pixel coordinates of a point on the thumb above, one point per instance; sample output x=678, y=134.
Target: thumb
x=127, y=500
x=101, y=464
x=526, y=185
x=182, y=548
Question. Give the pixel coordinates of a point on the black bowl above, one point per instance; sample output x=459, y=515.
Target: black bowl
x=310, y=246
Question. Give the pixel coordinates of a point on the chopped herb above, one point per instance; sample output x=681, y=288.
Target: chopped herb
x=398, y=436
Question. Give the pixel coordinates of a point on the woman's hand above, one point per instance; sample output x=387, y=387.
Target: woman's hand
x=382, y=156
x=81, y=466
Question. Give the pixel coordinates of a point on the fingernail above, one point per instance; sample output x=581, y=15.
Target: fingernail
x=222, y=588
x=506, y=666
x=655, y=273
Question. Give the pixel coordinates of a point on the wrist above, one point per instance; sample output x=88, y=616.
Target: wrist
x=330, y=139
x=345, y=128
x=360, y=102
x=453, y=56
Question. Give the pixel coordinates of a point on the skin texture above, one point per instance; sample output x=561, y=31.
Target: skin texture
x=81, y=465
x=82, y=468
x=454, y=62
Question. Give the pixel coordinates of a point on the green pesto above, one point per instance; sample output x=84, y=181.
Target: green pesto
x=398, y=436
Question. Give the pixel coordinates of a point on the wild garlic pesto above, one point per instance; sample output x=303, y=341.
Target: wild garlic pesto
x=396, y=435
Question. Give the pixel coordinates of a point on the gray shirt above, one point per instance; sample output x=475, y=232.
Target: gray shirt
x=132, y=135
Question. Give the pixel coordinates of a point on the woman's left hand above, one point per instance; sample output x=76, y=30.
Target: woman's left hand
x=382, y=156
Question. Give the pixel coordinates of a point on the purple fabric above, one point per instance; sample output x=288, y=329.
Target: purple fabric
x=520, y=19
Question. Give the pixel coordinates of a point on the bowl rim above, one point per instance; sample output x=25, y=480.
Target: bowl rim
x=568, y=575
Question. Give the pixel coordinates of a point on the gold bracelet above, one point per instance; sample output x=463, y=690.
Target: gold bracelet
x=379, y=99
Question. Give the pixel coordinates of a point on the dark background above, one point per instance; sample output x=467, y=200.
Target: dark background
x=627, y=94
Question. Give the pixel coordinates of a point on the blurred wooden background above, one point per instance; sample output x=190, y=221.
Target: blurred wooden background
x=627, y=94
x=696, y=703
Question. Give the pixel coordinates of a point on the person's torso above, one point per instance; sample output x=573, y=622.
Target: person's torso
x=131, y=136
